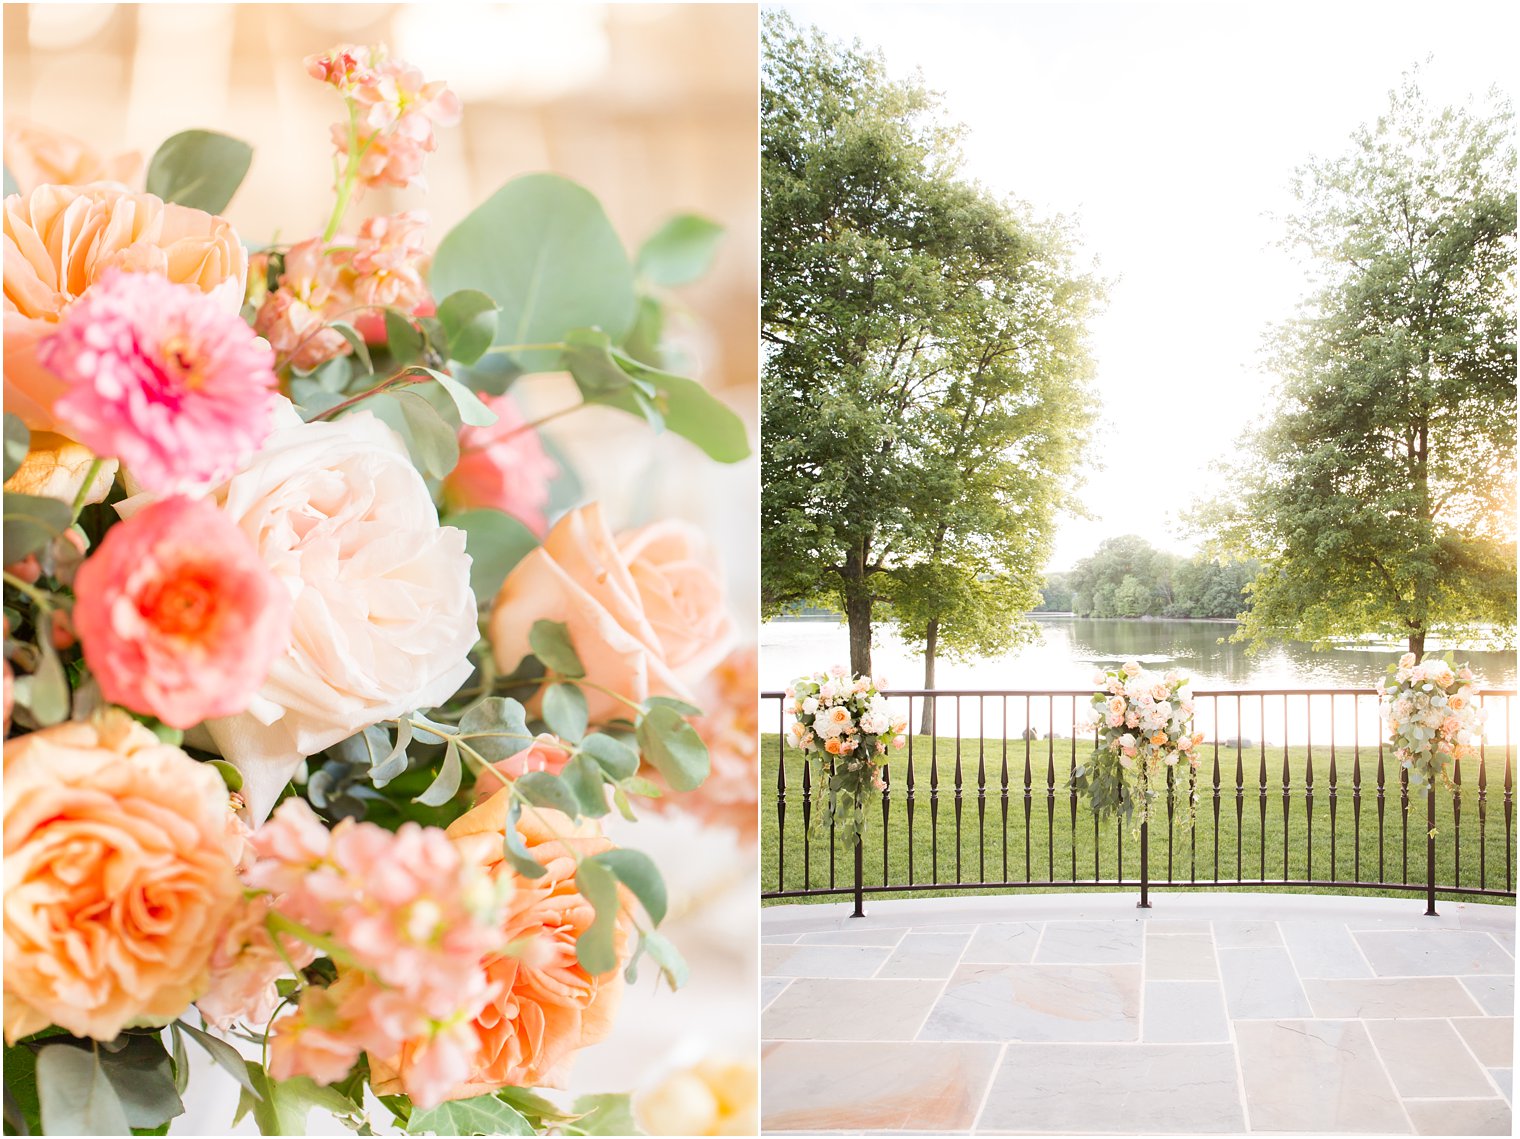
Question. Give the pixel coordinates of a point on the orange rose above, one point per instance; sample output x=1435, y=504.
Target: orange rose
x=549, y=1007
x=37, y=156
x=645, y=619
x=119, y=875
x=59, y=240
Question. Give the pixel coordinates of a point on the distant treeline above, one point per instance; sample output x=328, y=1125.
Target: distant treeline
x=1127, y=577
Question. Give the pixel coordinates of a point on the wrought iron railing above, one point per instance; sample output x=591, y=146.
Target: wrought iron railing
x=1296, y=790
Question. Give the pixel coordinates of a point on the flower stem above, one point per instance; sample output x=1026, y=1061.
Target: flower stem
x=41, y=598
x=501, y=349
x=84, y=490
x=278, y=923
x=402, y=380
x=350, y=176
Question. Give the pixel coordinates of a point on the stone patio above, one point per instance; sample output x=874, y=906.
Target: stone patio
x=1208, y=1014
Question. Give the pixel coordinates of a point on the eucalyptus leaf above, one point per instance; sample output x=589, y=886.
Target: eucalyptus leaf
x=396, y=760
x=74, y=1095
x=496, y=542
x=401, y=337
x=31, y=522
x=596, y=947
x=637, y=871
x=180, y=1058
x=434, y=444
x=224, y=1055
x=143, y=1075
x=442, y=789
x=688, y=408
x=680, y=251
x=545, y=790
x=17, y=441
x=356, y=341
x=471, y=410
x=605, y=1114
x=616, y=758
x=515, y=850
x=504, y=724
x=565, y=711
x=586, y=782
x=674, y=748
x=550, y=642
x=469, y=318
x=280, y=1107
x=48, y=692
x=543, y=248
x=664, y=954
x=675, y=705
x=199, y=169
x=588, y=359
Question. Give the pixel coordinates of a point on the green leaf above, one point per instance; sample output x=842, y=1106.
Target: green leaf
x=565, y=711
x=680, y=251
x=471, y=409
x=75, y=1096
x=515, y=850
x=17, y=441
x=664, y=954
x=10, y=183
x=47, y=690
x=442, y=789
x=230, y=774
x=280, y=1107
x=584, y=778
x=588, y=359
x=545, y=790
x=434, y=443
x=616, y=758
x=31, y=522
x=224, y=1055
x=505, y=724
x=675, y=705
x=603, y=1115
x=356, y=341
x=550, y=642
x=543, y=248
x=496, y=542
x=143, y=1075
x=180, y=1057
x=401, y=337
x=637, y=871
x=532, y=1104
x=482, y=1115
x=675, y=749
x=396, y=760
x=469, y=319
x=689, y=410
x=596, y=948
x=199, y=169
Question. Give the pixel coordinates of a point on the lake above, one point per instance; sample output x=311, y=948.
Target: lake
x=1070, y=648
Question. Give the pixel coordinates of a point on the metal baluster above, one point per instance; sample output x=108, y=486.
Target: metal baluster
x=958, y=733
x=1028, y=793
x=910, y=790
x=781, y=798
x=1456, y=823
x=833, y=844
x=1482, y=808
x=886, y=820
x=1070, y=788
x=1287, y=778
x=981, y=789
x=1216, y=794
x=933, y=789
x=1332, y=787
x=1356, y=787
x=1509, y=798
x=1171, y=807
x=1404, y=819
x=1239, y=751
x=1382, y=796
x=1309, y=785
x=807, y=823
x=1050, y=793
x=1004, y=722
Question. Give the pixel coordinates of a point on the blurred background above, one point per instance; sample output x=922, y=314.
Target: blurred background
x=654, y=108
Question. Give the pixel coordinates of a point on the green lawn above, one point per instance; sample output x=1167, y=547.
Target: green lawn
x=1034, y=843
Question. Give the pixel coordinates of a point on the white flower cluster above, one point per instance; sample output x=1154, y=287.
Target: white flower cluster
x=1142, y=716
x=842, y=715
x=1433, y=717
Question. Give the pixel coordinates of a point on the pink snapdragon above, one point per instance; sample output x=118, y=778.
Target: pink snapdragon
x=387, y=262
x=163, y=378
x=503, y=467
x=412, y=923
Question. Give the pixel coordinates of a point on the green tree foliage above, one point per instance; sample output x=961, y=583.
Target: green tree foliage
x=1127, y=577
x=923, y=394
x=1380, y=493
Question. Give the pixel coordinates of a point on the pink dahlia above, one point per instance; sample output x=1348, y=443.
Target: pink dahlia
x=178, y=615
x=503, y=467
x=163, y=378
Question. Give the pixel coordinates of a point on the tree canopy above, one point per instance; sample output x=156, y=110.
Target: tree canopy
x=1127, y=577
x=923, y=389
x=1379, y=493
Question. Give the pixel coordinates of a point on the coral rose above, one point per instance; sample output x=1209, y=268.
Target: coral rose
x=119, y=877
x=37, y=155
x=179, y=616
x=60, y=240
x=383, y=619
x=548, y=1006
x=621, y=607
x=503, y=467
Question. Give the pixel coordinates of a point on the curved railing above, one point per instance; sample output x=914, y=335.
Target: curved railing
x=1296, y=791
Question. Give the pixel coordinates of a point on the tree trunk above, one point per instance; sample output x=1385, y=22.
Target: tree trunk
x=931, y=643
x=857, y=613
x=1417, y=644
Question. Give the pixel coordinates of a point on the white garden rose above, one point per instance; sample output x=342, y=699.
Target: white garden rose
x=382, y=616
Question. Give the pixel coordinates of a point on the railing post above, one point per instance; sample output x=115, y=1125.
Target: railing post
x=1430, y=852
x=1145, y=866
x=860, y=874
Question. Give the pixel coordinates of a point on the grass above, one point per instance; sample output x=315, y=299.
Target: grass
x=1054, y=840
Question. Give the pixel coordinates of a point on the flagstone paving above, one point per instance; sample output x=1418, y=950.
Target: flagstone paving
x=1208, y=1014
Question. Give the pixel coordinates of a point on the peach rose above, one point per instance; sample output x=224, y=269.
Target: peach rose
x=119, y=877
x=56, y=467
x=37, y=155
x=624, y=604
x=59, y=240
x=548, y=1007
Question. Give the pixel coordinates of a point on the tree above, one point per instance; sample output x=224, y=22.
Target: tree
x=1132, y=599
x=924, y=361
x=1380, y=494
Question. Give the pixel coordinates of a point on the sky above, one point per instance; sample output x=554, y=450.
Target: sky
x=1169, y=133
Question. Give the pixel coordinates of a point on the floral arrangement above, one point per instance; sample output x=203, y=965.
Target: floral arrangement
x=1434, y=721
x=316, y=694
x=1144, y=726
x=844, y=722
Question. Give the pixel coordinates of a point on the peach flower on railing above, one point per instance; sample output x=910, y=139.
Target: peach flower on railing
x=59, y=241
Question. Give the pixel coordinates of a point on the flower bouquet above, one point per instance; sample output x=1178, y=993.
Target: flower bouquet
x=1434, y=720
x=844, y=723
x=1144, y=726
x=300, y=771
